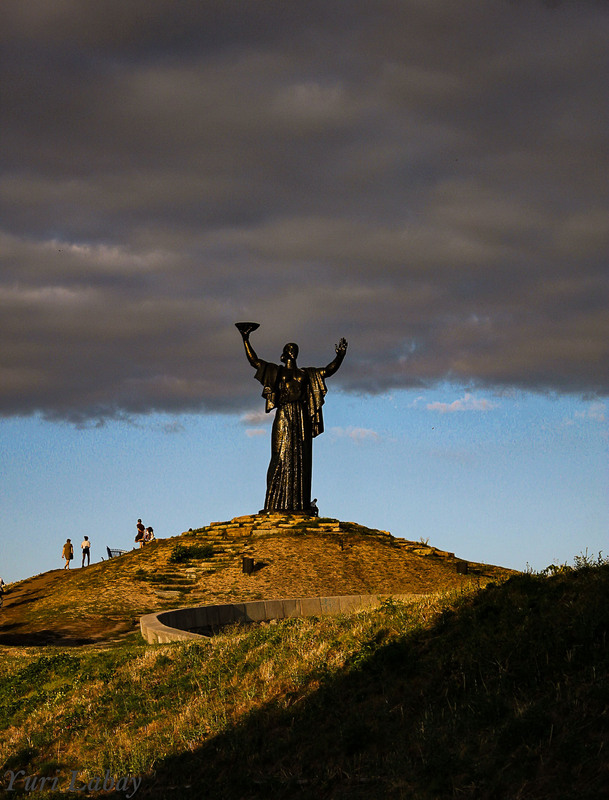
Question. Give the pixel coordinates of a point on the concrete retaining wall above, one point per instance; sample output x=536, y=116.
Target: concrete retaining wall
x=178, y=624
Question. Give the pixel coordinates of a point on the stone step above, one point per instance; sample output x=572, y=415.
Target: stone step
x=263, y=524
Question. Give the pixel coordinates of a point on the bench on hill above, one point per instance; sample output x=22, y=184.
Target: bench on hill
x=113, y=553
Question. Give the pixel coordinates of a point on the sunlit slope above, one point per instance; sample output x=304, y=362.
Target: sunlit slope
x=294, y=557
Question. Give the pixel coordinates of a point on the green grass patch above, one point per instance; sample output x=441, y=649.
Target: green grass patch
x=352, y=527
x=182, y=553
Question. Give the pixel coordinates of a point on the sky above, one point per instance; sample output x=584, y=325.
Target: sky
x=426, y=178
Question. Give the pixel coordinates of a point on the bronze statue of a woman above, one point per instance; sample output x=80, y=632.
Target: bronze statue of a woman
x=298, y=395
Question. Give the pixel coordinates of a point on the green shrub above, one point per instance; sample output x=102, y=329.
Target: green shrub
x=182, y=553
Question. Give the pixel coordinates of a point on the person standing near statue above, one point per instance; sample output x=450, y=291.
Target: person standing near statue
x=298, y=396
x=86, y=551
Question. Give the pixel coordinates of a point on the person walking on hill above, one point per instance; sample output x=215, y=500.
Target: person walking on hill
x=67, y=553
x=86, y=551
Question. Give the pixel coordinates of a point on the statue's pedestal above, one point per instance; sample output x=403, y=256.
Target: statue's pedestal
x=264, y=513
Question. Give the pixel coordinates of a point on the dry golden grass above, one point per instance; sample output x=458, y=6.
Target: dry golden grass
x=299, y=559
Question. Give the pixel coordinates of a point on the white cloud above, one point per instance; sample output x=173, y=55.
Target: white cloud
x=467, y=403
x=256, y=418
x=251, y=432
x=596, y=411
x=358, y=435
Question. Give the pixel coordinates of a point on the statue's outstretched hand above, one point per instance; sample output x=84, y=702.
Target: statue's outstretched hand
x=341, y=347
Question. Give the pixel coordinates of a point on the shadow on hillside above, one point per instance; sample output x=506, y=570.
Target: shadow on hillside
x=502, y=698
x=40, y=638
x=11, y=603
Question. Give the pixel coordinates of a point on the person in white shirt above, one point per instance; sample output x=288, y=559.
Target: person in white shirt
x=86, y=551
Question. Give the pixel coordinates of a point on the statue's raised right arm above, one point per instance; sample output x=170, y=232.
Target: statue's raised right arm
x=249, y=350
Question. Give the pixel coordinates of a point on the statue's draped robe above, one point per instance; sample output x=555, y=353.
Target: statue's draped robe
x=288, y=481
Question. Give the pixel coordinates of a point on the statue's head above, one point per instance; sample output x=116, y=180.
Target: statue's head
x=290, y=350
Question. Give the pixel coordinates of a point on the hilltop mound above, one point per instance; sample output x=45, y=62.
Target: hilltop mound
x=293, y=557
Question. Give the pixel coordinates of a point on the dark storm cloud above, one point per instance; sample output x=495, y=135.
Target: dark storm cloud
x=428, y=180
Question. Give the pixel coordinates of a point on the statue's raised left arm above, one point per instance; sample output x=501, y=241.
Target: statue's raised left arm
x=332, y=367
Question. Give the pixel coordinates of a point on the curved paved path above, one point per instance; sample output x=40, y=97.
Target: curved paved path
x=180, y=624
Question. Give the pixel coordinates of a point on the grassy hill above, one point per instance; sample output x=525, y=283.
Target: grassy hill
x=295, y=557
x=487, y=689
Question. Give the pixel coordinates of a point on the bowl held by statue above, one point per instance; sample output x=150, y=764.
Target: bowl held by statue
x=246, y=327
